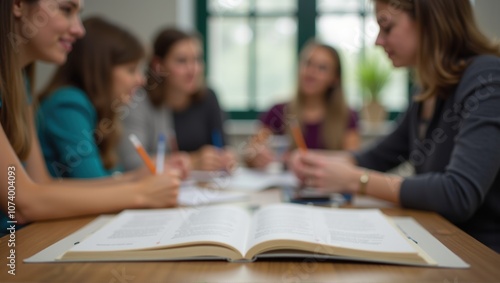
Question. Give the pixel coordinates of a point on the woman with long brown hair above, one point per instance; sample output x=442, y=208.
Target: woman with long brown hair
x=26, y=181
x=450, y=132
x=82, y=108
x=319, y=108
x=78, y=116
x=178, y=103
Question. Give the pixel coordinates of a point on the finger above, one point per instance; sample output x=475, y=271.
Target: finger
x=229, y=165
x=173, y=173
x=211, y=164
x=209, y=154
x=186, y=162
x=226, y=157
x=299, y=167
x=212, y=149
x=309, y=160
x=311, y=172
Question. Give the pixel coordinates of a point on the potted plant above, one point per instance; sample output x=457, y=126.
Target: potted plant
x=374, y=71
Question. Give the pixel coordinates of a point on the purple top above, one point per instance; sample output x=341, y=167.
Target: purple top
x=276, y=120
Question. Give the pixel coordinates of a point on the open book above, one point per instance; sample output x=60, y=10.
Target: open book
x=233, y=233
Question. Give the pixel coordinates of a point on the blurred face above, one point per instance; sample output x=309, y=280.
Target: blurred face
x=398, y=35
x=47, y=29
x=126, y=79
x=184, y=67
x=317, y=72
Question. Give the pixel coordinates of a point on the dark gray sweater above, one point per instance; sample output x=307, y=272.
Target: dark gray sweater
x=194, y=126
x=458, y=161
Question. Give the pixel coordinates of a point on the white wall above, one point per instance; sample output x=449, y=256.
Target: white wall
x=143, y=18
x=487, y=16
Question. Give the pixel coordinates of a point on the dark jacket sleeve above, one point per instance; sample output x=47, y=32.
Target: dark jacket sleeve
x=390, y=151
x=475, y=161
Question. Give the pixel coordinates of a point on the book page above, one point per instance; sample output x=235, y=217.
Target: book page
x=363, y=229
x=254, y=180
x=282, y=221
x=359, y=229
x=145, y=229
x=193, y=195
x=244, y=179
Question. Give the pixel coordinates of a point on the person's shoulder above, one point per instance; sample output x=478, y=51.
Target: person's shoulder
x=485, y=60
x=352, y=113
x=207, y=100
x=482, y=72
x=275, y=111
x=68, y=99
x=209, y=94
x=482, y=64
x=68, y=95
x=278, y=108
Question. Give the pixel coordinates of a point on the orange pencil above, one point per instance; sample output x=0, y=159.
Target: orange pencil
x=142, y=153
x=298, y=137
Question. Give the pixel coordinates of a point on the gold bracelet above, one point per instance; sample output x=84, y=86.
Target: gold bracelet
x=363, y=182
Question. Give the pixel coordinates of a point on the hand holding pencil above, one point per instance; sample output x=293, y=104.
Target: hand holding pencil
x=298, y=137
x=159, y=189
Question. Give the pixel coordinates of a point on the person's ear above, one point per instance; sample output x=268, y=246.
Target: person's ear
x=17, y=8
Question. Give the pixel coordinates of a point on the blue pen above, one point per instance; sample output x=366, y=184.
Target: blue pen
x=217, y=139
x=217, y=142
x=160, y=153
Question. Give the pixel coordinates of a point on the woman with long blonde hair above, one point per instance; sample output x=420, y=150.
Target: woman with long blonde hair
x=450, y=132
x=318, y=108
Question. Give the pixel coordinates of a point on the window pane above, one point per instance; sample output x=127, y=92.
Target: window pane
x=276, y=60
x=344, y=32
x=229, y=6
x=348, y=35
x=228, y=54
x=395, y=94
x=276, y=5
x=339, y=5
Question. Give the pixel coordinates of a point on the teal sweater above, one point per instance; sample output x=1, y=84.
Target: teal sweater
x=66, y=122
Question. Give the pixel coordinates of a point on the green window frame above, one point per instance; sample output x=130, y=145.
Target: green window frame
x=306, y=15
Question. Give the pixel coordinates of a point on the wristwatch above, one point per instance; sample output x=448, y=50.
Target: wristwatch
x=363, y=182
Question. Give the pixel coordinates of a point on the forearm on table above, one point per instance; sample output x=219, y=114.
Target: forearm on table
x=380, y=185
x=60, y=200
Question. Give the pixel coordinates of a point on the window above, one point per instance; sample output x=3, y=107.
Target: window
x=351, y=27
x=252, y=49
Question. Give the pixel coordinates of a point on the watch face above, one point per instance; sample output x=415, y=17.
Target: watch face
x=364, y=178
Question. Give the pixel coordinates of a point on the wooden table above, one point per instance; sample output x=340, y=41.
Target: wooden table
x=485, y=263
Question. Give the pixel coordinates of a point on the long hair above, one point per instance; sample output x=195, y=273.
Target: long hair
x=12, y=89
x=334, y=125
x=449, y=38
x=89, y=67
x=156, y=84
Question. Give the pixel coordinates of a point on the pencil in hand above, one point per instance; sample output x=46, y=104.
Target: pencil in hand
x=142, y=153
x=298, y=137
x=160, y=153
